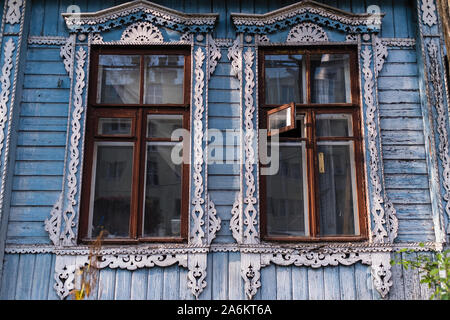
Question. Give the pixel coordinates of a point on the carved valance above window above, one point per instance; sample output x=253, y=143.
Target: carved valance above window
x=307, y=11
x=137, y=11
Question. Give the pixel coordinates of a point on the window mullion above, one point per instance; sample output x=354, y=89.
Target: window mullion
x=137, y=177
x=312, y=185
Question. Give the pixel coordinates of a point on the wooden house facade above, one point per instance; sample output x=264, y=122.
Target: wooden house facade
x=148, y=125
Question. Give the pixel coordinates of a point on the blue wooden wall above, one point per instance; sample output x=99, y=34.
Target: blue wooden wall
x=41, y=140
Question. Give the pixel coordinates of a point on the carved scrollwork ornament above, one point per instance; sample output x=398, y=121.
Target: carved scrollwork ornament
x=197, y=212
x=13, y=13
x=250, y=271
x=429, y=12
x=307, y=32
x=197, y=273
x=235, y=56
x=381, y=272
x=250, y=212
x=213, y=54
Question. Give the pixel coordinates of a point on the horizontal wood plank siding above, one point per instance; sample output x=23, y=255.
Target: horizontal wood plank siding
x=402, y=131
x=41, y=143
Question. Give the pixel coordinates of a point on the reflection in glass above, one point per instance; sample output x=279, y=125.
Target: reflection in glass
x=118, y=79
x=334, y=125
x=164, y=78
x=112, y=171
x=281, y=119
x=162, y=203
x=337, y=189
x=115, y=126
x=286, y=193
x=162, y=125
x=330, y=78
x=284, y=79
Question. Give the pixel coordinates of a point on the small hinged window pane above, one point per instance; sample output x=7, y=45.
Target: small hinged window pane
x=281, y=119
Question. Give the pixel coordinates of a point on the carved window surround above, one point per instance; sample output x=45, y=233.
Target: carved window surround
x=135, y=23
x=308, y=23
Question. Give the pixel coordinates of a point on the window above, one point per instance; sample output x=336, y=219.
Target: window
x=132, y=188
x=311, y=95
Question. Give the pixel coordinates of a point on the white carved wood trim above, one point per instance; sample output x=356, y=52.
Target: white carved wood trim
x=142, y=32
x=66, y=267
x=307, y=32
x=250, y=201
x=429, y=16
x=13, y=14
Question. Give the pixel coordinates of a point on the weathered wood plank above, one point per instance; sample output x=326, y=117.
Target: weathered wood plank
x=235, y=286
x=42, y=277
x=402, y=137
x=400, y=110
x=223, y=182
x=123, y=285
x=171, y=283
x=406, y=181
x=106, y=284
x=398, y=96
x=39, y=168
x=34, y=198
x=44, y=109
x=315, y=284
x=52, y=139
x=363, y=282
x=398, y=83
x=46, y=82
x=402, y=124
x=399, y=70
x=404, y=152
x=155, y=283
x=25, y=276
x=29, y=228
x=46, y=95
x=399, y=196
x=284, y=283
x=300, y=283
x=139, y=284
x=347, y=282
x=10, y=268
x=36, y=183
x=43, y=124
x=41, y=153
x=220, y=276
x=405, y=166
x=269, y=283
x=331, y=283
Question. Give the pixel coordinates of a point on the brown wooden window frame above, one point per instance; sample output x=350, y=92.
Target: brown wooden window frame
x=138, y=113
x=310, y=110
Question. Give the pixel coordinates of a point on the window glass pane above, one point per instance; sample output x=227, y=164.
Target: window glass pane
x=162, y=125
x=111, y=196
x=337, y=189
x=164, y=79
x=284, y=79
x=162, y=206
x=330, y=78
x=118, y=79
x=281, y=119
x=286, y=199
x=115, y=126
x=334, y=125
